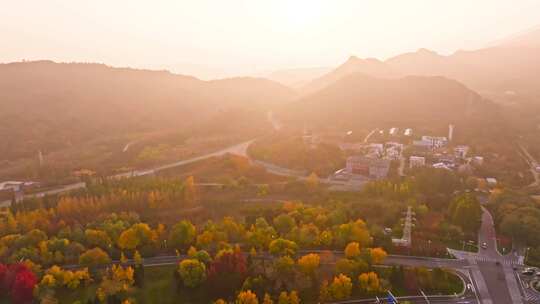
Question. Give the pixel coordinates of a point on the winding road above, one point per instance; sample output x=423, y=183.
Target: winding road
x=238, y=149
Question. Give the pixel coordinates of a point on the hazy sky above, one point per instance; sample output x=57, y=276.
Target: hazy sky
x=252, y=35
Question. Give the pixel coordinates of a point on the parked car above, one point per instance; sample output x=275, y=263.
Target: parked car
x=484, y=245
x=528, y=271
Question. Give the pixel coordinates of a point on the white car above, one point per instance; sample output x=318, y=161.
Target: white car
x=528, y=271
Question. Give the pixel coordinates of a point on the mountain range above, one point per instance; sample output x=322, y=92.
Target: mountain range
x=507, y=70
x=48, y=106
x=359, y=100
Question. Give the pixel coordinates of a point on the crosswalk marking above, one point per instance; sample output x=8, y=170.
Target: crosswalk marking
x=504, y=262
x=531, y=296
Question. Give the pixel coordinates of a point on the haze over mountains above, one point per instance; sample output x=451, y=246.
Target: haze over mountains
x=47, y=105
x=509, y=68
x=357, y=100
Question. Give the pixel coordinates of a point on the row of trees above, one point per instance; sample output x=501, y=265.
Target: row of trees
x=284, y=279
x=517, y=216
x=264, y=277
x=105, y=238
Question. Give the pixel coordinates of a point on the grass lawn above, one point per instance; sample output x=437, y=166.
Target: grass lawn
x=159, y=286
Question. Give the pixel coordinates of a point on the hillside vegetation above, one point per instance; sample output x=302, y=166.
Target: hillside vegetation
x=50, y=106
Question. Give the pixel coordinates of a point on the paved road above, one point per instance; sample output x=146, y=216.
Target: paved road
x=129, y=144
x=532, y=163
x=369, y=135
x=469, y=296
x=493, y=273
x=238, y=149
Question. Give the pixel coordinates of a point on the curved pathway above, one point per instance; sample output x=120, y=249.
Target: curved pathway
x=238, y=149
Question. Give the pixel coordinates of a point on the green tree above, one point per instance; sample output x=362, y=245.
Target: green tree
x=192, y=272
x=182, y=235
x=465, y=211
x=260, y=234
x=284, y=267
x=352, y=232
x=283, y=247
x=136, y=236
x=94, y=257
x=340, y=288
x=97, y=238
x=284, y=223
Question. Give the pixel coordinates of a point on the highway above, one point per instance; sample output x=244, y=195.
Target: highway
x=492, y=273
x=238, y=149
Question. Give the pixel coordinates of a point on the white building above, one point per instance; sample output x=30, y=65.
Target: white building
x=417, y=161
x=392, y=153
x=437, y=141
x=431, y=142
x=491, y=181
x=408, y=132
x=423, y=144
x=442, y=166
x=461, y=151
x=375, y=149
x=393, y=150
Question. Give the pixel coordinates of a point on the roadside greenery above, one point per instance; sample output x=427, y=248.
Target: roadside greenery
x=264, y=248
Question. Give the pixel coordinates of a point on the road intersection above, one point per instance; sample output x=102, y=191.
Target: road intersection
x=496, y=276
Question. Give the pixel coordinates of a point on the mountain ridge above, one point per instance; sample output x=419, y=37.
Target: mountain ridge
x=48, y=105
x=358, y=99
x=494, y=71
